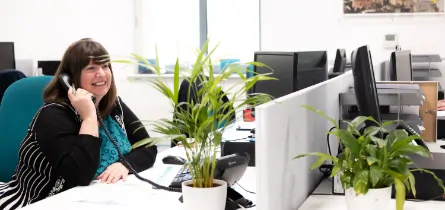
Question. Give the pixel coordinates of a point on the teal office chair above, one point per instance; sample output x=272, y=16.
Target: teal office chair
x=19, y=105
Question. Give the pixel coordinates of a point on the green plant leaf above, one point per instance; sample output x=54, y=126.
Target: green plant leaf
x=438, y=180
x=360, y=182
x=411, y=149
x=353, y=129
x=318, y=163
x=375, y=174
x=402, y=141
x=335, y=170
x=371, y=131
x=321, y=155
x=371, y=150
x=399, y=165
x=371, y=160
x=350, y=142
x=346, y=180
x=396, y=175
x=176, y=82
x=400, y=194
x=356, y=122
x=380, y=142
x=387, y=123
x=412, y=182
x=217, y=137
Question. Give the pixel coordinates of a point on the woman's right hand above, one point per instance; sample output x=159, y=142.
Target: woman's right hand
x=83, y=103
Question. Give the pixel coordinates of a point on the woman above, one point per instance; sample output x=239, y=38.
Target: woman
x=65, y=146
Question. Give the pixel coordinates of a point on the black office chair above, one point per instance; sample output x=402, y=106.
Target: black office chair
x=7, y=77
x=184, y=96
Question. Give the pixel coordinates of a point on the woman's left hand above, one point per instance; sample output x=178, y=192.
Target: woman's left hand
x=114, y=173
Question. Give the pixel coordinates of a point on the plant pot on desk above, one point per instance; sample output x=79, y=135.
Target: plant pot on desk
x=204, y=198
x=374, y=199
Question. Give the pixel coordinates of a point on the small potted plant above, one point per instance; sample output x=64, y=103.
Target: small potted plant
x=203, y=121
x=370, y=165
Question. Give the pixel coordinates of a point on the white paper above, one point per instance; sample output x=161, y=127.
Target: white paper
x=118, y=194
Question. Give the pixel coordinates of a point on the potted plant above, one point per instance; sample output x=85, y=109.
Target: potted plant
x=370, y=165
x=203, y=120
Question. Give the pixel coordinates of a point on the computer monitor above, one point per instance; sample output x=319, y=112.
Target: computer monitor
x=7, y=55
x=364, y=84
x=340, y=61
x=311, y=68
x=284, y=69
x=401, y=66
x=48, y=67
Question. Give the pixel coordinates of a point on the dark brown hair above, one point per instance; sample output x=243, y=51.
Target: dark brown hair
x=75, y=59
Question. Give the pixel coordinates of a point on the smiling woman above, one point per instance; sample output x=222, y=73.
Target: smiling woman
x=71, y=149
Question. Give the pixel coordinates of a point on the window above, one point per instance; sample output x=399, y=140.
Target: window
x=172, y=26
x=234, y=24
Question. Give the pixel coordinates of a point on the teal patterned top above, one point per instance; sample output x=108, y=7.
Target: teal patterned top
x=108, y=153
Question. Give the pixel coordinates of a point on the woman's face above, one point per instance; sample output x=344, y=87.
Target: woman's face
x=96, y=79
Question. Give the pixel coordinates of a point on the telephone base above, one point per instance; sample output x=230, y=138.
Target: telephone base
x=234, y=200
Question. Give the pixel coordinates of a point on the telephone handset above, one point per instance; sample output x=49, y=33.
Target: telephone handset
x=66, y=82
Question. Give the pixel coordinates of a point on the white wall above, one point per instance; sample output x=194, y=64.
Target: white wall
x=320, y=25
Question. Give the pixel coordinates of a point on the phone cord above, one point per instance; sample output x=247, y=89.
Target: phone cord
x=127, y=164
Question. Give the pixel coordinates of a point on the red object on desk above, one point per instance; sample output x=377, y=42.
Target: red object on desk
x=247, y=113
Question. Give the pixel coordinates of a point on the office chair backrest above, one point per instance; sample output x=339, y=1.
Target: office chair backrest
x=20, y=103
x=7, y=77
x=186, y=96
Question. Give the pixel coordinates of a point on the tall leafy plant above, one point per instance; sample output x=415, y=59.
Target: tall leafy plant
x=371, y=160
x=205, y=119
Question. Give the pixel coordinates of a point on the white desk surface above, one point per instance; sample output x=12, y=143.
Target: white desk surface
x=135, y=194
x=322, y=199
x=338, y=202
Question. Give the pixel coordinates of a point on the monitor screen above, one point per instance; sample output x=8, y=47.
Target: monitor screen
x=312, y=60
x=283, y=65
x=48, y=67
x=401, y=66
x=7, y=57
x=364, y=84
x=340, y=61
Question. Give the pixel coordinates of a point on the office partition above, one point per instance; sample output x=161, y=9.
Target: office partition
x=284, y=130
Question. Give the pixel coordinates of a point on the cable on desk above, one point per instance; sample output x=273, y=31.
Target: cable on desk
x=327, y=139
x=326, y=169
x=245, y=189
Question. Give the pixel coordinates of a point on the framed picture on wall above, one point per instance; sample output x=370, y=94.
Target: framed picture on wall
x=393, y=6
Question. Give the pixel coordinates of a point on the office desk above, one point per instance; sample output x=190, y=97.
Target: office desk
x=322, y=199
x=134, y=194
x=338, y=202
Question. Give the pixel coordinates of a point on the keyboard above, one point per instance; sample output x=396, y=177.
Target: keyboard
x=182, y=176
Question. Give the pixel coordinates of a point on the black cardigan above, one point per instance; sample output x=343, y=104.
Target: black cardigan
x=53, y=156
